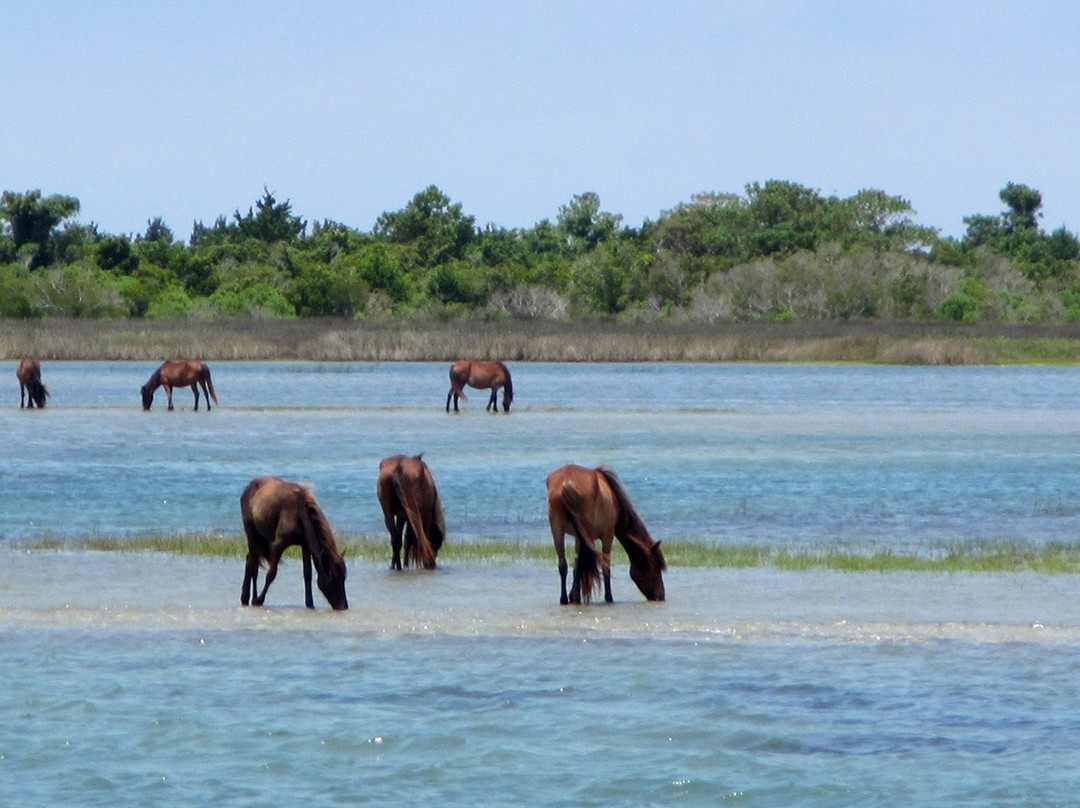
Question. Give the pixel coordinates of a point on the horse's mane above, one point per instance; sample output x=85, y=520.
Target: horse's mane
x=324, y=549
x=630, y=530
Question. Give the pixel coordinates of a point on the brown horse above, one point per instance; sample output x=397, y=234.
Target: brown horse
x=482, y=376
x=277, y=515
x=183, y=373
x=591, y=504
x=31, y=390
x=410, y=505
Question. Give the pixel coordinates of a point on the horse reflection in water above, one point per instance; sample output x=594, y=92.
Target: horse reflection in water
x=31, y=391
x=483, y=376
x=183, y=373
x=411, y=509
x=277, y=515
x=592, y=505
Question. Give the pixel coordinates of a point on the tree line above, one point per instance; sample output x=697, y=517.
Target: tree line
x=778, y=250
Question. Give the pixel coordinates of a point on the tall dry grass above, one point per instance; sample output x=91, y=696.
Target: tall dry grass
x=870, y=341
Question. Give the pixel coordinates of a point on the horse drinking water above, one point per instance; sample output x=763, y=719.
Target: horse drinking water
x=411, y=506
x=277, y=515
x=31, y=390
x=482, y=376
x=183, y=373
x=592, y=505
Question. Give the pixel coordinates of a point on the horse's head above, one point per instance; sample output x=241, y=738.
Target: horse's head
x=147, y=396
x=648, y=573
x=331, y=581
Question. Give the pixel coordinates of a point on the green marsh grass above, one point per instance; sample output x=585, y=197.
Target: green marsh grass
x=1057, y=558
x=340, y=340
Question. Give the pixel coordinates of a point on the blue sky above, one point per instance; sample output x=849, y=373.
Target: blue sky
x=186, y=110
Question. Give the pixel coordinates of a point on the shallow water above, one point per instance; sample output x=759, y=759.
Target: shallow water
x=900, y=458
x=138, y=679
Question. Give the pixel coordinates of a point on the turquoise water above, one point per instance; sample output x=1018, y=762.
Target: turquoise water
x=136, y=679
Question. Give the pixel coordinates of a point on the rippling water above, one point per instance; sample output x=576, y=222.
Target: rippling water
x=137, y=679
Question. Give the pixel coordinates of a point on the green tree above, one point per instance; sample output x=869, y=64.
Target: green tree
x=32, y=221
x=1024, y=204
x=583, y=225
x=434, y=226
x=270, y=221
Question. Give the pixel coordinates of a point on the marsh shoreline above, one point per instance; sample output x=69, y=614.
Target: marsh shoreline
x=334, y=340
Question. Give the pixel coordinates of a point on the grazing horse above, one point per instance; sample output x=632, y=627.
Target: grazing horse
x=482, y=376
x=591, y=504
x=277, y=515
x=31, y=390
x=184, y=373
x=410, y=505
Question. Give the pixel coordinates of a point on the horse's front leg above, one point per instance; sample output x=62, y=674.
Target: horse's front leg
x=309, y=601
x=492, y=405
x=168, y=394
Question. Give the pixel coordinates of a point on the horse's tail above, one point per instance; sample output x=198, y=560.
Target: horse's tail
x=210, y=383
x=630, y=530
x=458, y=379
x=587, y=560
x=424, y=552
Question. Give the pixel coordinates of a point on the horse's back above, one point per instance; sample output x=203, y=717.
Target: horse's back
x=182, y=372
x=28, y=369
x=266, y=501
x=403, y=471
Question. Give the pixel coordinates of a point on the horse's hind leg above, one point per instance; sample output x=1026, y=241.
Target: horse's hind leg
x=271, y=574
x=195, y=390
x=251, y=579
x=449, y=396
x=206, y=394
x=395, y=543
x=410, y=543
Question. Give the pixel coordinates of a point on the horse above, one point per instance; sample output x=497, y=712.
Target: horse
x=591, y=504
x=482, y=376
x=277, y=515
x=183, y=373
x=31, y=390
x=410, y=505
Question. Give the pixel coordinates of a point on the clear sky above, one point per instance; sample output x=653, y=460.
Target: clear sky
x=186, y=110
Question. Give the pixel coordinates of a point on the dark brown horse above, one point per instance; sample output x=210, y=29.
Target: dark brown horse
x=591, y=504
x=482, y=376
x=183, y=373
x=411, y=506
x=31, y=390
x=277, y=515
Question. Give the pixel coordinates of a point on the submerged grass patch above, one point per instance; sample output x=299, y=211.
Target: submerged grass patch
x=1056, y=558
